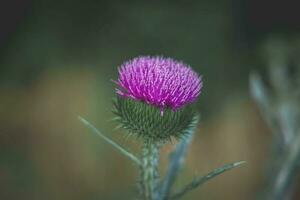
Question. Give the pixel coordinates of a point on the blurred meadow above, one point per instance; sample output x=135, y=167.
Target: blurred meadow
x=58, y=59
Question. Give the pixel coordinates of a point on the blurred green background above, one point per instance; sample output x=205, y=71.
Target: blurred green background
x=58, y=59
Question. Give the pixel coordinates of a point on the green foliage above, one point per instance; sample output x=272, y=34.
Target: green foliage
x=176, y=161
x=198, y=181
x=146, y=121
x=132, y=114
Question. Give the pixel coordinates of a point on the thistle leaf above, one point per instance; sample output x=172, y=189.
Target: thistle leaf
x=176, y=162
x=108, y=140
x=203, y=179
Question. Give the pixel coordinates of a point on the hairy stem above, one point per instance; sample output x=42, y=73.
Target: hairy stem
x=149, y=171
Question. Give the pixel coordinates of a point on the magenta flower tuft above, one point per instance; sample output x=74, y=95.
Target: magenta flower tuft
x=159, y=81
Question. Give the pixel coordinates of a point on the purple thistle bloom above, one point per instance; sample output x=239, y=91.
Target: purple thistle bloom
x=159, y=81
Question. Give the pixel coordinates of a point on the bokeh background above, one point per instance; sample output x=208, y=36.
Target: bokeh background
x=58, y=59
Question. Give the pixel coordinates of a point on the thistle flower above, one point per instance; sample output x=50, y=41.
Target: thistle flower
x=162, y=82
x=155, y=97
x=154, y=102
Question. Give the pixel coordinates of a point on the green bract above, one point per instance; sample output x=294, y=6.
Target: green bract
x=145, y=121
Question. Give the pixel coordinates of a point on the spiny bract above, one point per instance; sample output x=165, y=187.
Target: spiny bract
x=145, y=121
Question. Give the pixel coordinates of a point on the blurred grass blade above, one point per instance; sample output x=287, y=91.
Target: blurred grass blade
x=201, y=180
x=262, y=97
x=108, y=140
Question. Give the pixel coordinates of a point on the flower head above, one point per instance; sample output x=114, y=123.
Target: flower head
x=159, y=81
x=154, y=96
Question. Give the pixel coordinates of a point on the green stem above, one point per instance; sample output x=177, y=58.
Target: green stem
x=149, y=171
